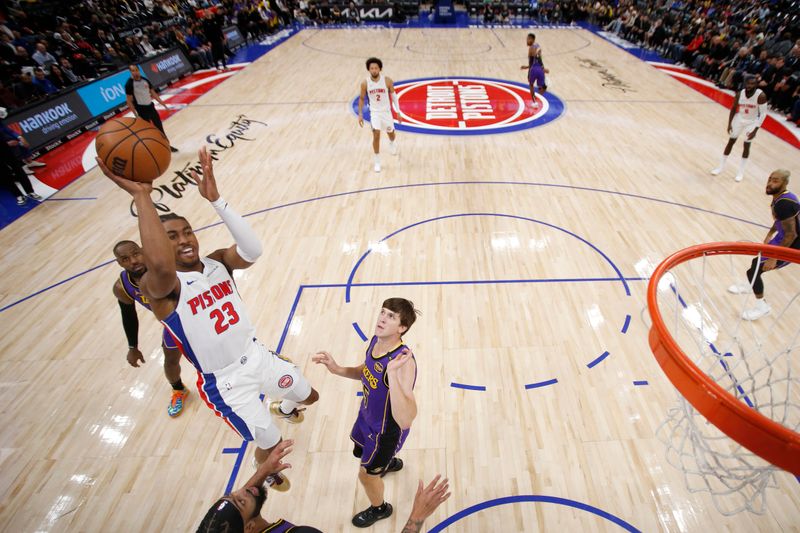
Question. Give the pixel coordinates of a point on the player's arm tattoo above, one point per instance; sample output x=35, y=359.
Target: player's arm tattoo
x=412, y=526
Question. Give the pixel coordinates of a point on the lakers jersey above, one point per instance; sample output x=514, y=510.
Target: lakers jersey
x=378, y=94
x=210, y=323
x=133, y=291
x=748, y=107
x=376, y=411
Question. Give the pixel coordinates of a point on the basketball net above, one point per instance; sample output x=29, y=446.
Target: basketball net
x=756, y=363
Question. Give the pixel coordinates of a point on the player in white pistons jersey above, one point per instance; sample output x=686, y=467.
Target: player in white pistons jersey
x=197, y=301
x=380, y=91
x=748, y=112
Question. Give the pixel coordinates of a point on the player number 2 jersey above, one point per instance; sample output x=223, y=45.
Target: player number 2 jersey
x=210, y=323
x=378, y=94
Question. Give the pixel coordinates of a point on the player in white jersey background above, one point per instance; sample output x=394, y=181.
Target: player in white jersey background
x=197, y=301
x=380, y=91
x=748, y=111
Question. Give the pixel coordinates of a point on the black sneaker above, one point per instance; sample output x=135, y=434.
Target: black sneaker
x=370, y=515
x=394, y=465
x=173, y=149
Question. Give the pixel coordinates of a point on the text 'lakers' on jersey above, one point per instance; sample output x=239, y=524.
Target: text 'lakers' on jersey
x=376, y=411
x=210, y=323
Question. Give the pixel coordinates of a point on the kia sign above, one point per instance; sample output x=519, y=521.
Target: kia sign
x=50, y=120
x=470, y=106
x=373, y=12
x=233, y=38
x=165, y=68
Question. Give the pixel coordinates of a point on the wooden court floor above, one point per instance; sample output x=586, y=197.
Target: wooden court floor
x=509, y=246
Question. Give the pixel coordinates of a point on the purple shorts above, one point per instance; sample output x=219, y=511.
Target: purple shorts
x=536, y=76
x=375, y=450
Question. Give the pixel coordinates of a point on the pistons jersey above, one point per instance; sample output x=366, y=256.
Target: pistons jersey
x=210, y=323
x=378, y=94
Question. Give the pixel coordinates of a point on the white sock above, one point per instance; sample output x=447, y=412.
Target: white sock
x=287, y=406
x=377, y=159
x=722, y=161
x=742, y=164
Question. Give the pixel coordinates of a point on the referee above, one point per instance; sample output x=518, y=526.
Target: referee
x=140, y=95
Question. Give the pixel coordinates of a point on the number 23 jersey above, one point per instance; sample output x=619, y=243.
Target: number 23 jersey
x=210, y=323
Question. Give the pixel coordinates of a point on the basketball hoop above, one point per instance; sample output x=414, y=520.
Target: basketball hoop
x=738, y=415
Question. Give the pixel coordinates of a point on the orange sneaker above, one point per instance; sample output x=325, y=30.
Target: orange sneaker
x=177, y=401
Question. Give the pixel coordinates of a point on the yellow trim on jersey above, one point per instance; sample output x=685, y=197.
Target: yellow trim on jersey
x=122, y=284
x=384, y=355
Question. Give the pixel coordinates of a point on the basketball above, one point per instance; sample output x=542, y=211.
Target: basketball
x=133, y=148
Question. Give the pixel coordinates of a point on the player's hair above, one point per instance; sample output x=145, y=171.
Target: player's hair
x=533, y=35
x=404, y=308
x=783, y=174
x=172, y=216
x=748, y=77
x=123, y=243
x=375, y=60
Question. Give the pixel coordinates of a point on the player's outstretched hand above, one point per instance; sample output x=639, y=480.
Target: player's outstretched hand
x=207, y=185
x=135, y=357
x=131, y=187
x=399, y=361
x=324, y=358
x=425, y=503
x=274, y=463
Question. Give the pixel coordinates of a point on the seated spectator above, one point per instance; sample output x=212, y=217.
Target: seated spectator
x=42, y=57
x=40, y=80
x=66, y=71
x=57, y=78
x=8, y=99
x=353, y=14
x=195, y=44
x=8, y=52
x=26, y=91
x=23, y=59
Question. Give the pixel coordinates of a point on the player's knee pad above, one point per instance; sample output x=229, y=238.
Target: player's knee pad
x=267, y=437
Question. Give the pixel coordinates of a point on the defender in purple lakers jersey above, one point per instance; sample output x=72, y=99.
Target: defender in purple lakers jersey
x=388, y=376
x=130, y=257
x=785, y=231
x=535, y=68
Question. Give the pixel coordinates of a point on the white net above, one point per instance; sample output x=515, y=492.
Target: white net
x=704, y=302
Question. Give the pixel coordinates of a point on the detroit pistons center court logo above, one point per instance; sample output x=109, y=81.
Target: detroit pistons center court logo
x=469, y=106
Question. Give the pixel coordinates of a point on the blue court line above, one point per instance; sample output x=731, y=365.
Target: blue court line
x=68, y=199
x=531, y=498
x=500, y=215
x=431, y=184
x=539, y=384
x=598, y=360
x=360, y=333
x=465, y=282
x=236, y=465
x=627, y=323
x=359, y=393
x=641, y=382
x=467, y=387
x=289, y=318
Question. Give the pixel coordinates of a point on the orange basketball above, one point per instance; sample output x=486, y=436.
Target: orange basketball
x=133, y=148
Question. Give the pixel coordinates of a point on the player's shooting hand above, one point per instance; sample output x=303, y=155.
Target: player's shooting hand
x=131, y=187
x=429, y=498
x=324, y=358
x=274, y=463
x=207, y=185
x=399, y=361
x=135, y=357
x=769, y=264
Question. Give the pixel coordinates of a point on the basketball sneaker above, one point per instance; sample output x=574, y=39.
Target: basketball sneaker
x=371, y=514
x=395, y=465
x=393, y=148
x=739, y=177
x=716, y=171
x=34, y=196
x=295, y=417
x=377, y=167
x=740, y=288
x=760, y=309
x=176, y=402
x=21, y=200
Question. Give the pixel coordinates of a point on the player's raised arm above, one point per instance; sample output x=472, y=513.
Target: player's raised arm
x=401, y=371
x=160, y=279
x=361, y=96
x=248, y=247
x=324, y=358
